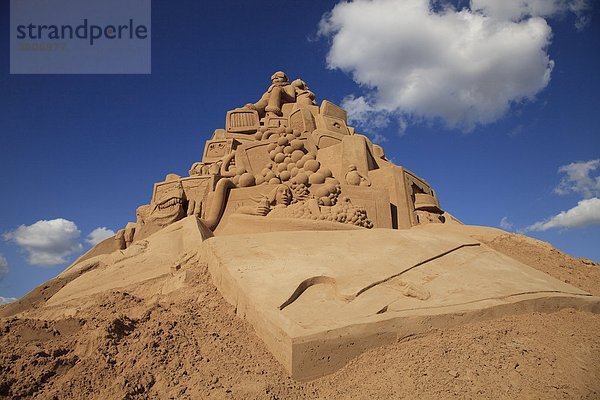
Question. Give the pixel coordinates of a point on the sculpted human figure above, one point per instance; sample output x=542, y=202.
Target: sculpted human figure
x=279, y=197
x=280, y=92
x=304, y=97
x=355, y=178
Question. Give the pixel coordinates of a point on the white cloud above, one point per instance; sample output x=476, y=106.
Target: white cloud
x=6, y=300
x=3, y=267
x=47, y=243
x=516, y=10
x=586, y=212
x=98, y=235
x=578, y=179
x=506, y=224
x=360, y=112
x=415, y=64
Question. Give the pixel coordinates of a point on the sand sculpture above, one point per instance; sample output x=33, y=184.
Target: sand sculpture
x=321, y=243
x=286, y=157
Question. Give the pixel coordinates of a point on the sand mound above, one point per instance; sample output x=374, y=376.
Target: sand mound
x=189, y=343
x=580, y=272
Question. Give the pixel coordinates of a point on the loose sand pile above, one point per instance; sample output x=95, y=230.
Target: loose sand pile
x=190, y=345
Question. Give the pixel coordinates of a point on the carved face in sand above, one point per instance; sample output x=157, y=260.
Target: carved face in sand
x=279, y=78
x=168, y=205
x=282, y=195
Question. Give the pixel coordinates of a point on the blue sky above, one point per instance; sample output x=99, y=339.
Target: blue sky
x=88, y=148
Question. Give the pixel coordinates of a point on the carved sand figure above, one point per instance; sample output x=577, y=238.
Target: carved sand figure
x=279, y=197
x=287, y=138
x=355, y=178
x=280, y=91
x=304, y=97
x=167, y=207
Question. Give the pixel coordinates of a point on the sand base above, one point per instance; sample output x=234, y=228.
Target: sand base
x=319, y=299
x=168, y=333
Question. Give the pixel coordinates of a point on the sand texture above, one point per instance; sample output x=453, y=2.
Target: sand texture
x=172, y=335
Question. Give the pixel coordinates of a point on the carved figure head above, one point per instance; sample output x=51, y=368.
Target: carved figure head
x=168, y=205
x=279, y=78
x=300, y=84
x=281, y=195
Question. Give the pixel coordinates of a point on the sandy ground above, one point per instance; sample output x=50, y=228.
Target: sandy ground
x=190, y=345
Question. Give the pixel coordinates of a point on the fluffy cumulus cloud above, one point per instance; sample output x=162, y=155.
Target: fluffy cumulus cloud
x=98, y=235
x=586, y=212
x=577, y=179
x=417, y=63
x=47, y=243
x=3, y=267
